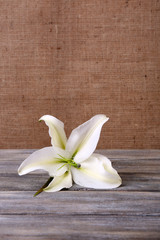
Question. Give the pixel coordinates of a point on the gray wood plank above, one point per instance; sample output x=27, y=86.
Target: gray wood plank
x=32, y=182
x=123, y=160
x=123, y=165
x=121, y=235
x=114, y=153
x=130, y=212
x=138, y=173
x=86, y=227
x=115, y=235
x=75, y=203
x=147, y=235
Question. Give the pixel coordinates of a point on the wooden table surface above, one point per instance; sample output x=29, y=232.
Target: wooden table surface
x=130, y=212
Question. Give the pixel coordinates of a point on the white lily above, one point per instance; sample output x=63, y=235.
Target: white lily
x=73, y=158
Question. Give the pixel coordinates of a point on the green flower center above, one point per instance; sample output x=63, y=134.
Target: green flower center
x=66, y=161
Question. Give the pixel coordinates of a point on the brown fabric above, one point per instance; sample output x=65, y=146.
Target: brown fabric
x=74, y=59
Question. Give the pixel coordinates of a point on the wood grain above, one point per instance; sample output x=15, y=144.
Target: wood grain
x=74, y=59
x=130, y=212
x=80, y=203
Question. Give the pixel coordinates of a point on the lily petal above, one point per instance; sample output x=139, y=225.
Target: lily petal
x=83, y=139
x=63, y=181
x=56, y=131
x=46, y=159
x=96, y=172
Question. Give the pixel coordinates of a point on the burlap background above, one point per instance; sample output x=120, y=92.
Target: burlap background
x=74, y=59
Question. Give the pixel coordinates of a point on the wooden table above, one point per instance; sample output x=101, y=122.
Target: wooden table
x=130, y=212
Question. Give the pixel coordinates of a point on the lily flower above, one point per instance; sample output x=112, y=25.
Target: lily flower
x=73, y=159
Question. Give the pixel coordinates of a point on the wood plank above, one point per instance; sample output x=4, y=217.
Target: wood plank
x=11, y=154
x=116, y=235
x=84, y=227
x=130, y=212
x=138, y=173
x=76, y=203
x=32, y=182
x=131, y=153
x=123, y=161
x=123, y=165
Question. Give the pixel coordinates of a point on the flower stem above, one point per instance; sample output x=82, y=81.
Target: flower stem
x=44, y=186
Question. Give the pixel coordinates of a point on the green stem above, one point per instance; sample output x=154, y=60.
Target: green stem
x=44, y=186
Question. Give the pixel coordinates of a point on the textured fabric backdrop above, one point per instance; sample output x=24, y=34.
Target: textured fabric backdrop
x=74, y=59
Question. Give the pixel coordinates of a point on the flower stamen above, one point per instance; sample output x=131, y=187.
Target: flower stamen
x=66, y=161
